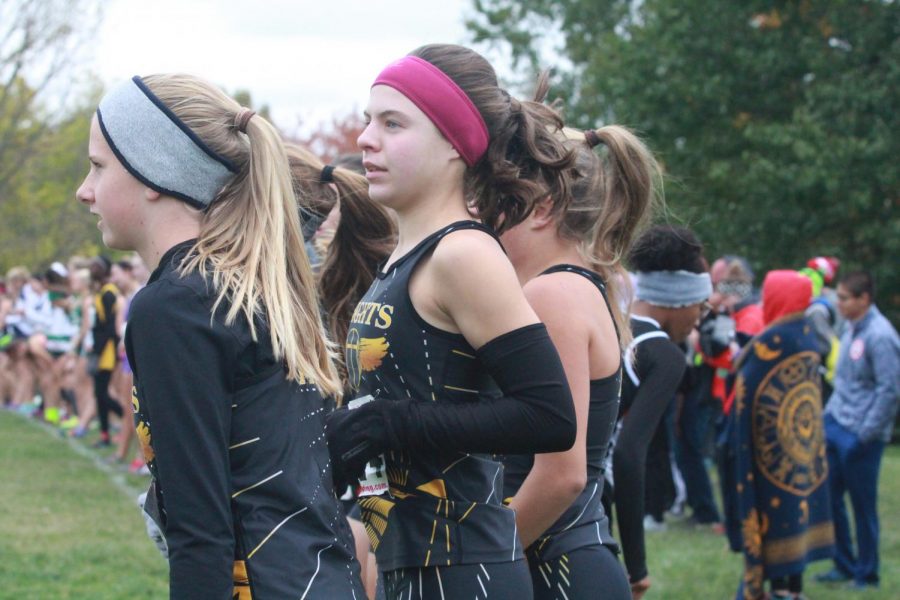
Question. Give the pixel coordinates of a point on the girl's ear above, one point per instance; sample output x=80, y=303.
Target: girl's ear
x=542, y=215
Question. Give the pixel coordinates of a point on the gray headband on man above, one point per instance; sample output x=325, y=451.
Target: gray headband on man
x=672, y=289
x=158, y=149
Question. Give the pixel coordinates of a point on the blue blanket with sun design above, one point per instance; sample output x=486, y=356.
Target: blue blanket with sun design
x=781, y=468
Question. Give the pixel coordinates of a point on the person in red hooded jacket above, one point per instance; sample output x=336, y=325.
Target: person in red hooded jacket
x=778, y=432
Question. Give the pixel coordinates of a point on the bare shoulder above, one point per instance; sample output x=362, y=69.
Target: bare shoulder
x=564, y=295
x=470, y=257
x=475, y=285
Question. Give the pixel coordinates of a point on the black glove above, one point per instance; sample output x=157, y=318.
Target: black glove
x=358, y=435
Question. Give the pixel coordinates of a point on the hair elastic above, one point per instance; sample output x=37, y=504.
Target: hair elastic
x=242, y=118
x=593, y=140
x=327, y=175
x=158, y=148
x=444, y=102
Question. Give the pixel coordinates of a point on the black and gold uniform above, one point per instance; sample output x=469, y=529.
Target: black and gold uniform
x=103, y=329
x=577, y=553
x=241, y=483
x=443, y=525
x=105, y=355
x=653, y=375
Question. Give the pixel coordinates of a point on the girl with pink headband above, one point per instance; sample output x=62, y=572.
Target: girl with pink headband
x=444, y=318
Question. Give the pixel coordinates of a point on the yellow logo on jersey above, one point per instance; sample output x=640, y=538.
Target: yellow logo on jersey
x=364, y=355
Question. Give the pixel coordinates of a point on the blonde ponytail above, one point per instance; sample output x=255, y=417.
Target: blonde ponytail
x=250, y=239
x=616, y=184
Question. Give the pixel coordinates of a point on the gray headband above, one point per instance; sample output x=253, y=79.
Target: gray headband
x=672, y=289
x=158, y=149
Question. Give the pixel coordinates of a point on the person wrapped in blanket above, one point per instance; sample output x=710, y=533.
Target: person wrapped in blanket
x=778, y=432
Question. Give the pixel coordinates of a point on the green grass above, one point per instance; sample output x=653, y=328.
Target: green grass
x=69, y=528
x=687, y=562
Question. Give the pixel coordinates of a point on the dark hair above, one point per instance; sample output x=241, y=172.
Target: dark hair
x=125, y=265
x=859, y=283
x=364, y=236
x=99, y=267
x=55, y=279
x=667, y=248
x=525, y=160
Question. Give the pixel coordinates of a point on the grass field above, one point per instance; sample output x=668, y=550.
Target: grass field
x=69, y=524
x=69, y=528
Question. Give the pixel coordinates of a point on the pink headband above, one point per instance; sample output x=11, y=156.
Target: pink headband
x=436, y=95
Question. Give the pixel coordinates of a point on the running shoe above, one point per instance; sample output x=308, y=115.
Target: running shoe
x=70, y=423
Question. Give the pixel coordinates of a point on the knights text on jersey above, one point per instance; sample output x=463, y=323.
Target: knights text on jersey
x=445, y=508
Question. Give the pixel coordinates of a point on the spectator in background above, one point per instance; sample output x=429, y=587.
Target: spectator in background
x=780, y=482
x=122, y=276
x=827, y=267
x=79, y=379
x=59, y=336
x=672, y=286
x=858, y=422
x=17, y=330
x=106, y=332
x=823, y=315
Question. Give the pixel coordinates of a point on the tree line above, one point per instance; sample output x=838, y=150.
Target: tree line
x=776, y=122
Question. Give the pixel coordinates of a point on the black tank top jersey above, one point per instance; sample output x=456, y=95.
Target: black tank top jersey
x=644, y=329
x=442, y=509
x=584, y=523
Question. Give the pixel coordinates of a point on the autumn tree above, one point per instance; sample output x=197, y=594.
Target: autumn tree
x=777, y=122
x=334, y=138
x=40, y=43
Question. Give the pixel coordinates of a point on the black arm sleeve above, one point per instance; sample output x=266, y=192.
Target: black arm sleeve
x=535, y=413
x=183, y=369
x=660, y=365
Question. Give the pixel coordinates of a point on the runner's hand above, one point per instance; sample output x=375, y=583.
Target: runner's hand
x=639, y=588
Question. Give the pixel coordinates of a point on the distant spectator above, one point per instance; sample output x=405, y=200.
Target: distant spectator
x=670, y=296
x=108, y=320
x=823, y=315
x=858, y=422
x=780, y=467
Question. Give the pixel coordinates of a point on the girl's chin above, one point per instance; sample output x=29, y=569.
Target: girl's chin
x=112, y=242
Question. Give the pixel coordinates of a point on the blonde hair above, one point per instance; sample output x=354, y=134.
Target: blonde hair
x=82, y=276
x=18, y=273
x=250, y=238
x=612, y=198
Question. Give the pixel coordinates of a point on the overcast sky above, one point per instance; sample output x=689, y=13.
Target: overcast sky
x=305, y=59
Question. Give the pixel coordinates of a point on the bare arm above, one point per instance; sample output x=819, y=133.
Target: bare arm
x=556, y=479
x=120, y=316
x=472, y=288
x=469, y=284
x=85, y=324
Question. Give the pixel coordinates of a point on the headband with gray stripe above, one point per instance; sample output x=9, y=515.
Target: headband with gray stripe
x=158, y=149
x=672, y=289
